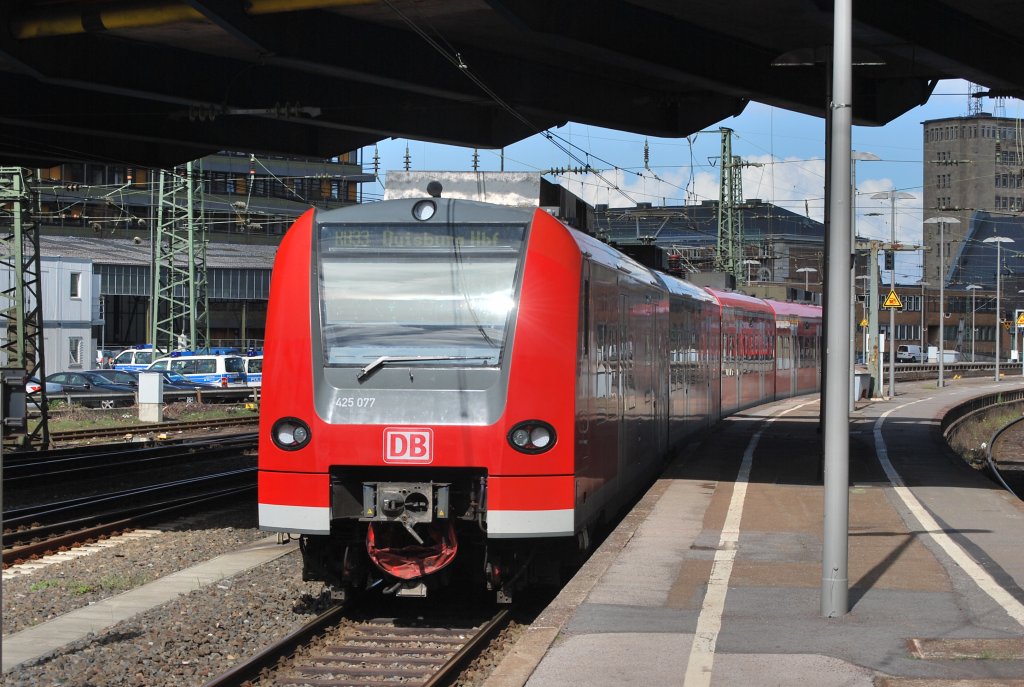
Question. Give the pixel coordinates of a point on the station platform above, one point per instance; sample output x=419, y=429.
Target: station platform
x=715, y=577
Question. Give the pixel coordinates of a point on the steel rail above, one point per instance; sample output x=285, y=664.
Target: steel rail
x=27, y=551
x=23, y=473
x=250, y=669
x=81, y=509
x=160, y=427
x=992, y=466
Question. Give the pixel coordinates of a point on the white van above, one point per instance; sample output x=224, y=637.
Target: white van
x=909, y=353
x=254, y=370
x=217, y=370
x=136, y=359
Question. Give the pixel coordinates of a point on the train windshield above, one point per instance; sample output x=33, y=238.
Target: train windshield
x=417, y=293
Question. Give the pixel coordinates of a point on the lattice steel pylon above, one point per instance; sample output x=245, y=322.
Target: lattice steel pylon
x=730, y=215
x=21, y=299
x=180, y=307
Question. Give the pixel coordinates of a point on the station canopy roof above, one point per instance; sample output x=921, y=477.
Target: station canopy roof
x=165, y=81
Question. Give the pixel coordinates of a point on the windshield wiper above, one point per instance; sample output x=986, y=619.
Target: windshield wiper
x=384, y=359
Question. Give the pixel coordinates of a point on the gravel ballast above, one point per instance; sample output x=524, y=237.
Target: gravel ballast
x=187, y=641
x=184, y=642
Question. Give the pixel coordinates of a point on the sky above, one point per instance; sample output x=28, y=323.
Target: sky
x=786, y=151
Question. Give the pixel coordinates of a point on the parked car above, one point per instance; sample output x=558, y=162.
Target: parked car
x=88, y=383
x=172, y=380
x=33, y=385
x=118, y=376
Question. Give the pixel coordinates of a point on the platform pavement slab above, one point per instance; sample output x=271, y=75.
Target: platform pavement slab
x=903, y=585
x=39, y=640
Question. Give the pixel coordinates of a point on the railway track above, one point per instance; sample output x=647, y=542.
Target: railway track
x=155, y=429
x=1005, y=456
x=22, y=470
x=329, y=653
x=38, y=530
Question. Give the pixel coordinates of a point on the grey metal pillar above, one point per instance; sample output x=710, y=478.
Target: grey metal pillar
x=999, y=304
x=942, y=308
x=835, y=559
x=872, y=353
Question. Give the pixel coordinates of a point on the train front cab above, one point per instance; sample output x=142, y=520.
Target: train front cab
x=395, y=439
x=748, y=350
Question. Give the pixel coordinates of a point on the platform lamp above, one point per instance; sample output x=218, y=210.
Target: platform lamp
x=974, y=332
x=807, y=276
x=942, y=222
x=999, y=241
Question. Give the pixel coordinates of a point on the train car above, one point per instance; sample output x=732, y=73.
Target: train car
x=797, y=348
x=694, y=354
x=747, y=345
x=456, y=390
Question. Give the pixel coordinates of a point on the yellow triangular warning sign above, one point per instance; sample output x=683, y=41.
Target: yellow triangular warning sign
x=1020, y=320
x=892, y=301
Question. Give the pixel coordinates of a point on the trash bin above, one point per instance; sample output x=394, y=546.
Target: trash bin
x=861, y=385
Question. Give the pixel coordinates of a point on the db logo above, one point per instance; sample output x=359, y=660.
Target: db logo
x=408, y=445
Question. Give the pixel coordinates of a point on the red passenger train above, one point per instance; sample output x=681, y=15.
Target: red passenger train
x=461, y=391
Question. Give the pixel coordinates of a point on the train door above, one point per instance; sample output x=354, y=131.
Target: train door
x=627, y=400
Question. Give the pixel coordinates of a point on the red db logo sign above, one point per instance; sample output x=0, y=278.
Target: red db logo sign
x=408, y=445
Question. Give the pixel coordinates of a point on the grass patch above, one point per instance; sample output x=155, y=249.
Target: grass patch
x=44, y=584
x=64, y=418
x=123, y=582
x=115, y=582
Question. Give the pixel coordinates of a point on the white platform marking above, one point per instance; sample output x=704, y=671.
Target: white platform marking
x=709, y=623
x=978, y=574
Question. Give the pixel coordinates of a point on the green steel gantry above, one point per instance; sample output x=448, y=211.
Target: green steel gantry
x=179, y=316
x=730, y=215
x=21, y=305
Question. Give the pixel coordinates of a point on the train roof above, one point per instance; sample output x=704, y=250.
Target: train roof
x=794, y=309
x=681, y=287
x=447, y=209
x=602, y=253
x=736, y=299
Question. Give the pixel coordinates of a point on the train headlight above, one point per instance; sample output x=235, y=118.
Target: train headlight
x=532, y=436
x=424, y=210
x=290, y=433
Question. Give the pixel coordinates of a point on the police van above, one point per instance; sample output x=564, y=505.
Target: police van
x=254, y=370
x=137, y=358
x=204, y=368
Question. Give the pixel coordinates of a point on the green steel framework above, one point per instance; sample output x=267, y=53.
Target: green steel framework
x=730, y=214
x=180, y=307
x=21, y=305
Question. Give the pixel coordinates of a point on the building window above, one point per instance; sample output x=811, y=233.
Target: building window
x=912, y=303
x=908, y=332
x=75, y=345
x=76, y=284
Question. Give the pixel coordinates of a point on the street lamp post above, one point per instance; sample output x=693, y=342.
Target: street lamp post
x=855, y=156
x=807, y=276
x=892, y=196
x=999, y=241
x=942, y=222
x=972, y=288
x=924, y=330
